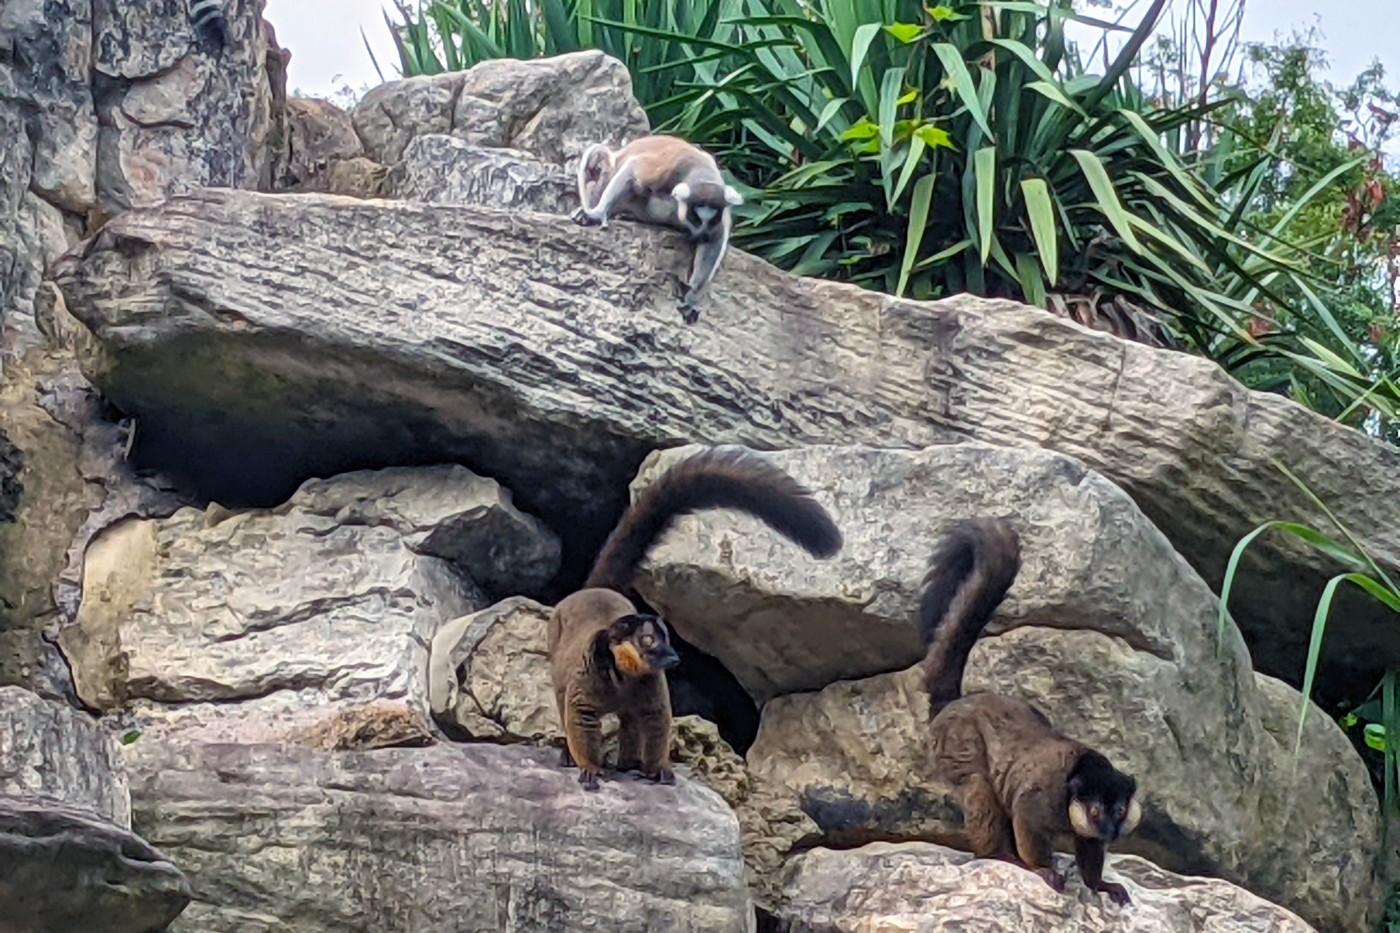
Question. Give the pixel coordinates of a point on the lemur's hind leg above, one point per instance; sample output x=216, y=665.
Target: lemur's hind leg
x=619, y=188
x=594, y=166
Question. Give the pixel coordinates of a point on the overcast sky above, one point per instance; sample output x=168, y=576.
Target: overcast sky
x=328, y=52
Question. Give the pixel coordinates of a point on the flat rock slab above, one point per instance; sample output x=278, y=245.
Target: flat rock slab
x=270, y=619
x=64, y=869
x=922, y=888
x=260, y=338
x=56, y=753
x=439, y=839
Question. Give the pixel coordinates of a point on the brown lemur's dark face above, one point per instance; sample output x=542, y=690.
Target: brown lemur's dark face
x=641, y=645
x=1102, y=801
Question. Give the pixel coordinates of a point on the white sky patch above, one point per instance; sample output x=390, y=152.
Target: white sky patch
x=329, y=54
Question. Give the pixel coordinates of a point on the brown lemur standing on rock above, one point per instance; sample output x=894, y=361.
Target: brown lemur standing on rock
x=666, y=181
x=606, y=657
x=1022, y=784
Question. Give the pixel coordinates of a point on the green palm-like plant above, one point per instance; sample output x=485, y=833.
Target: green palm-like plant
x=1382, y=712
x=929, y=150
x=962, y=147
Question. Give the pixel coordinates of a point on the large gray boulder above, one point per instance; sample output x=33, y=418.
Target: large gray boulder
x=64, y=869
x=444, y=168
x=922, y=888
x=476, y=837
x=552, y=108
x=1106, y=629
x=68, y=858
x=273, y=623
x=552, y=358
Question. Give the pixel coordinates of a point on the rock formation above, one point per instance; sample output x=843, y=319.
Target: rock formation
x=68, y=858
x=488, y=311
x=288, y=481
x=442, y=838
x=923, y=888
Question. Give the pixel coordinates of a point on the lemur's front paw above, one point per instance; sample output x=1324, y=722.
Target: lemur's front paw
x=1116, y=892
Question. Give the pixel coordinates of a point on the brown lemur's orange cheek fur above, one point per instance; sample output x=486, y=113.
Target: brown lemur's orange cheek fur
x=629, y=660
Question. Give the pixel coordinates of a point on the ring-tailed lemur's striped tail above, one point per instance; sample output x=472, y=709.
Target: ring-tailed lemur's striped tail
x=210, y=24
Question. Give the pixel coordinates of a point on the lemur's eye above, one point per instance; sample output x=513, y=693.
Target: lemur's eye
x=1095, y=812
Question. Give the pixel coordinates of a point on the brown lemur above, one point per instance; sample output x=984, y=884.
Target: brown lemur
x=606, y=657
x=1022, y=784
x=666, y=181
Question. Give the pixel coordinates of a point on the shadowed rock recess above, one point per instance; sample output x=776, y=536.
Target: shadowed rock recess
x=260, y=339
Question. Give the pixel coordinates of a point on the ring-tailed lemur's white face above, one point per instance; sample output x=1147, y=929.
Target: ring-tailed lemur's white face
x=702, y=208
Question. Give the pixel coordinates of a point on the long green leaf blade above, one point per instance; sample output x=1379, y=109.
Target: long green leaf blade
x=966, y=90
x=985, y=168
x=1041, y=212
x=1109, y=205
x=919, y=204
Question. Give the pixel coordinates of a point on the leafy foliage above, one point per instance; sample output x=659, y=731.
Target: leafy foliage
x=928, y=150
x=1379, y=716
x=1348, y=230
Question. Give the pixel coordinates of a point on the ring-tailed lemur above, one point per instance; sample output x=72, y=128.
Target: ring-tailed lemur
x=667, y=181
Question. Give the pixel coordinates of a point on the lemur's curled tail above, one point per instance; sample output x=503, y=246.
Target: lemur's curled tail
x=716, y=479
x=973, y=567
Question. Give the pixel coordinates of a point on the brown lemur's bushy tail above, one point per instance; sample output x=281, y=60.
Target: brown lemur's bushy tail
x=974, y=566
x=722, y=478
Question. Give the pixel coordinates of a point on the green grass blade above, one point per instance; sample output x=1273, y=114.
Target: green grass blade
x=919, y=203
x=985, y=168
x=1228, y=584
x=1390, y=718
x=1109, y=205
x=1319, y=628
x=1357, y=547
x=1041, y=212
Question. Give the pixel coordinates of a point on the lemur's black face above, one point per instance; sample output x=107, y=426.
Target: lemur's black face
x=1102, y=802
x=702, y=208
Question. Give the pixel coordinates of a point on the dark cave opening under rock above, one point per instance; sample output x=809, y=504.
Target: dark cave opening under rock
x=224, y=466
